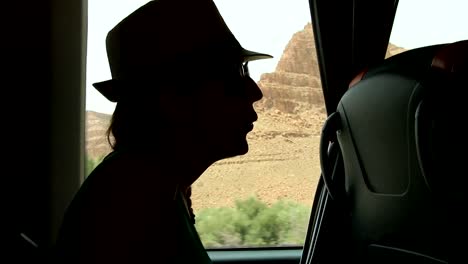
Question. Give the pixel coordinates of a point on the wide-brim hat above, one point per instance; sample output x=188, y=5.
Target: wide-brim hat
x=167, y=32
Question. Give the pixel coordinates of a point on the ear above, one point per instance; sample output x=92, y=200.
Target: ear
x=175, y=108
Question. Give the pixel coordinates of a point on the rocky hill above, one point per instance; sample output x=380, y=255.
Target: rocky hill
x=295, y=85
x=96, y=140
x=393, y=50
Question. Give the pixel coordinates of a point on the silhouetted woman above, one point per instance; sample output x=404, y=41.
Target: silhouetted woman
x=184, y=101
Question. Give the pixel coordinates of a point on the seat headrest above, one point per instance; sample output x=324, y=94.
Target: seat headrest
x=452, y=58
x=449, y=59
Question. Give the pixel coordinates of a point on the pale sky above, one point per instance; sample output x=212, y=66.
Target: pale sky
x=268, y=25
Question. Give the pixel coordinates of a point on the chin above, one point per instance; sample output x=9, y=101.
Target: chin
x=244, y=150
x=238, y=149
x=243, y=147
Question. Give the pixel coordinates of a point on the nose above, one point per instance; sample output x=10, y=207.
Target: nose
x=253, y=91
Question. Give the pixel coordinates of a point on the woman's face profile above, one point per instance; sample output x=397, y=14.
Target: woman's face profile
x=215, y=114
x=224, y=114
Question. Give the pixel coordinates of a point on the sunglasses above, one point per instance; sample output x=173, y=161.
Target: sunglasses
x=244, y=70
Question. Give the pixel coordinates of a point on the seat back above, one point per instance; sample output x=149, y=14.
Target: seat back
x=397, y=129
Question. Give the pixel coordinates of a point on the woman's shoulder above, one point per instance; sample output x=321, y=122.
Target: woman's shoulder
x=133, y=167
x=130, y=180
x=124, y=189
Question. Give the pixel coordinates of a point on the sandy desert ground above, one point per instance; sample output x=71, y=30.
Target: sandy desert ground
x=283, y=162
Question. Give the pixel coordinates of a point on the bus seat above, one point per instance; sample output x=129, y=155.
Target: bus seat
x=398, y=129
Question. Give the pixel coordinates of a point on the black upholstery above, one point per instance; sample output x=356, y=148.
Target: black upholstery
x=403, y=190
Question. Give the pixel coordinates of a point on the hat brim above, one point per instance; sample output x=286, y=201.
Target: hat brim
x=249, y=55
x=109, y=88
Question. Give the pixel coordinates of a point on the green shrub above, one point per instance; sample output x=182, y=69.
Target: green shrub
x=216, y=227
x=252, y=223
x=91, y=164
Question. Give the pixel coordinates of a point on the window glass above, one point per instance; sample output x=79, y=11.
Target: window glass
x=421, y=23
x=263, y=198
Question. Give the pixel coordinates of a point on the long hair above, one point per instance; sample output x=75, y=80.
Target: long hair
x=136, y=120
x=134, y=123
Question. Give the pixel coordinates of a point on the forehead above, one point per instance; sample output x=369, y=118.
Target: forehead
x=186, y=77
x=207, y=57
x=222, y=68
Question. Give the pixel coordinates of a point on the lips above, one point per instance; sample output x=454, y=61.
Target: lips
x=252, y=120
x=250, y=127
x=253, y=116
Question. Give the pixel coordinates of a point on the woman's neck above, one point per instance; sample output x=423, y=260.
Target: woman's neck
x=182, y=160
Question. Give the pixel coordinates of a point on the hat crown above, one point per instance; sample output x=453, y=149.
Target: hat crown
x=165, y=30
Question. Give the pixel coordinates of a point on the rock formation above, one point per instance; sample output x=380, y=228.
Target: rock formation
x=95, y=133
x=295, y=85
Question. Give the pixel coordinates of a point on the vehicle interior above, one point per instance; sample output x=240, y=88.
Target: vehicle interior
x=389, y=189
